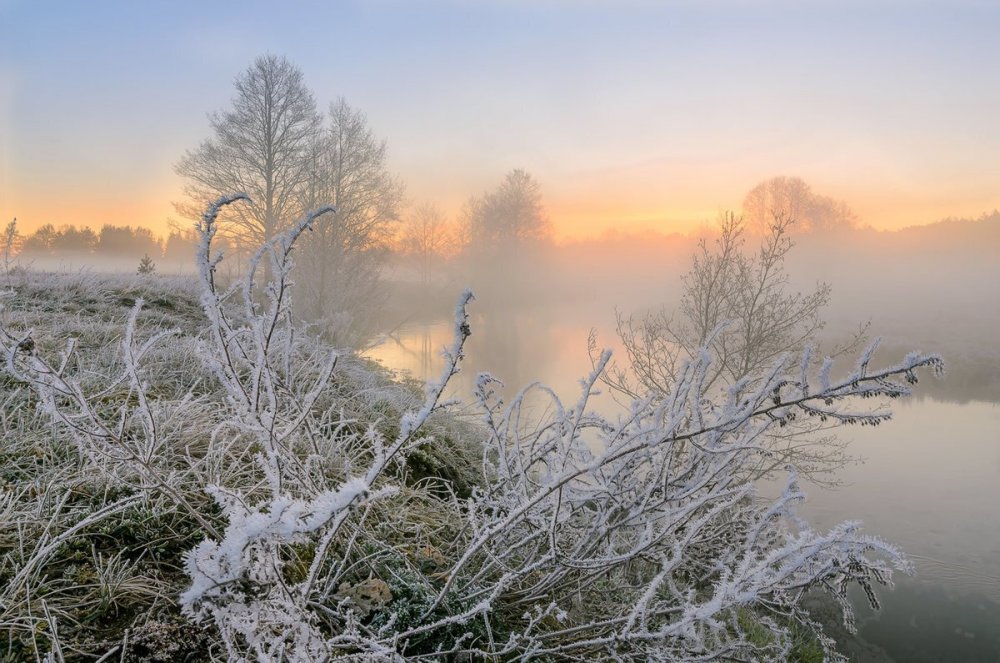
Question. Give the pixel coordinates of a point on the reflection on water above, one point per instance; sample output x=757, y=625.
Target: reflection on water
x=517, y=347
x=929, y=481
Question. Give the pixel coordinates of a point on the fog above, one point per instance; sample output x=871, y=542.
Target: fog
x=934, y=287
x=926, y=481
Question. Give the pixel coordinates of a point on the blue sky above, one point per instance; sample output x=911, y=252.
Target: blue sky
x=632, y=115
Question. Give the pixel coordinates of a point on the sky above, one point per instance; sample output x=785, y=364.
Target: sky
x=633, y=115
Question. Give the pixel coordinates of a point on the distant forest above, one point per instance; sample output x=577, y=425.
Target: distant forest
x=69, y=241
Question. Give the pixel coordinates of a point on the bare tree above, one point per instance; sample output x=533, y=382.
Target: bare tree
x=504, y=232
x=10, y=247
x=792, y=198
x=342, y=261
x=748, y=294
x=739, y=306
x=426, y=239
x=509, y=217
x=259, y=146
x=272, y=146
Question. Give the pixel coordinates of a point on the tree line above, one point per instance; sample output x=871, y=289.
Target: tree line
x=70, y=241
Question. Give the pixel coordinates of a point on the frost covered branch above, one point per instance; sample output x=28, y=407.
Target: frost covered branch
x=124, y=442
x=652, y=510
x=255, y=363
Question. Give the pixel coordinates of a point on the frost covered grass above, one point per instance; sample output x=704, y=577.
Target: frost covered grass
x=94, y=524
x=203, y=481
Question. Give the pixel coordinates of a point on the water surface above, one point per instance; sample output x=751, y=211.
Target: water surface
x=928, y=481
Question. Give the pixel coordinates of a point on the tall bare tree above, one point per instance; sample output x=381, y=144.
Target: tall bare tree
x=273, y=146
x=347, y=167
x=792, y=198
x=260, y=146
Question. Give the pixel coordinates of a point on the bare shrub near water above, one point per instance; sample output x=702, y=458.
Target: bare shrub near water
x=741, y=307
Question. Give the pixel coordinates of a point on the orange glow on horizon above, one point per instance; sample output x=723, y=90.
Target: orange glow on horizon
x=575, y=213
x=153, y=212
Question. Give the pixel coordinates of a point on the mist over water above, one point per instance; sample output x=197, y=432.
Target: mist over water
x=934, y=288
x=928, y=481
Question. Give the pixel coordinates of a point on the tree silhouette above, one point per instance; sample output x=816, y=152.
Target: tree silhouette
x=508, y=218
x=40, y=242
x=126, y=241
x=71, y=241
x=793, y=199
x=426, y=239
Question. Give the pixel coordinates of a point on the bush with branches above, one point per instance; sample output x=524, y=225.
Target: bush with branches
x=738, y=305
